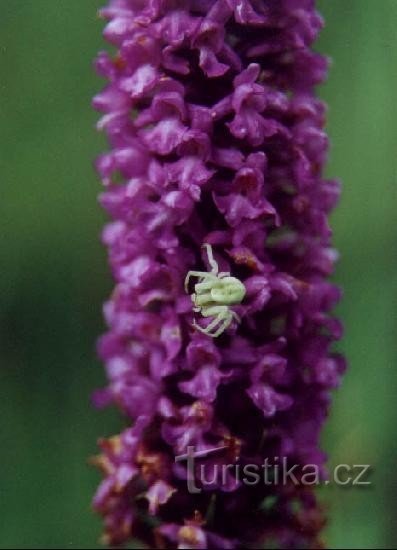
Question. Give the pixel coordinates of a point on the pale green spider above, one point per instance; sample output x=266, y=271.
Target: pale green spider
x=214, y=293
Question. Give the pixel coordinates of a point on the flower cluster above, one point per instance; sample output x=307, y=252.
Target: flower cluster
x=216, y=138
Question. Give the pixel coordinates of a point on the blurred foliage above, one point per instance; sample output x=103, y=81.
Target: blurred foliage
x=54, y=275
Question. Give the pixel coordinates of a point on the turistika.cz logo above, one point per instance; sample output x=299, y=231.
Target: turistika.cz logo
x=203, y=471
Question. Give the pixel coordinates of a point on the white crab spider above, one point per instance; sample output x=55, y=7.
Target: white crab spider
x=213, y=294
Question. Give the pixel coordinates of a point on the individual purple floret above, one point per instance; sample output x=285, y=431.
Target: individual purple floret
x=214, y=180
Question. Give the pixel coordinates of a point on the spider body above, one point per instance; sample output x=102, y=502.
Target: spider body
x=213, y=295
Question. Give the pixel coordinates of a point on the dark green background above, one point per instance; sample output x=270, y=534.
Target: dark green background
x=53, y=274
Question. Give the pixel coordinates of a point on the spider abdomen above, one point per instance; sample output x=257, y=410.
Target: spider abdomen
x=230, y=291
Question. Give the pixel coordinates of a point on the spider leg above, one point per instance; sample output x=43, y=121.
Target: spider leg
x=214, y=311
x=199, y=274
x=207, y=330
x=203, y=300
x=221, y=317
x=196, y=307
x=197, y=327
x=223, y=274
x=200, y=328
x=206, y=285
x=213, y=324
x=236, y=316
x=226, y=323
x=211, y=259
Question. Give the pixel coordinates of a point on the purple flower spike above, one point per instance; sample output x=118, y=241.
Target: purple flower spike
x=218, y=349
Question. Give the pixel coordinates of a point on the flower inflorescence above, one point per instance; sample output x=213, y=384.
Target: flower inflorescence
x=216, y=138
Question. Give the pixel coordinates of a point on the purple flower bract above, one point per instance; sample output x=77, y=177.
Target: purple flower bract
x=216, y=137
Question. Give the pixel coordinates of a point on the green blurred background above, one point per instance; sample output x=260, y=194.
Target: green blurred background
x=53, y=274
